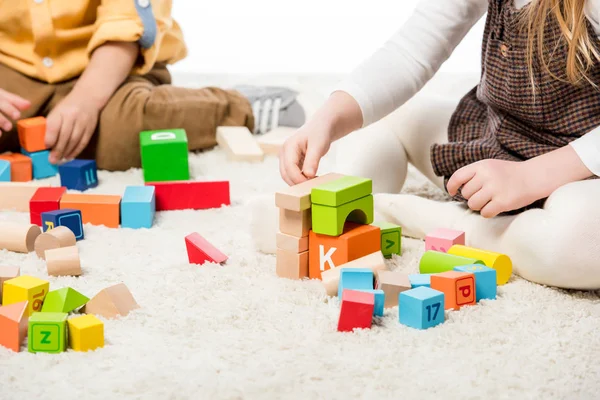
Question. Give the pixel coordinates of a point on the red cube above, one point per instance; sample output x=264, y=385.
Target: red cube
x=45, y=199
x=356, y=310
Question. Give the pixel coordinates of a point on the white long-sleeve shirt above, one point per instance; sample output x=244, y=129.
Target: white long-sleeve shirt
x=399, y=69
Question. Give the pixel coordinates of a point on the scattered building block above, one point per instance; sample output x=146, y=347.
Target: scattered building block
x=32, y=134
x=69, y=218
x=421, y=308
x=7, y=273
x=165, y=155
x=96, y=209
x=78, y=174
x=297, y=197
x=56, y=238
x=434, y=262
x=295, y=223
x=112, y=302
x=418, y=280
x=485, y=280
x=331, y=277
x=327, y=252
x=379, y=301
x=63, y=261
x=272, y=142
x=4, y=171
x=44, y=199
x=392, y=283
x=291, y=264
x=138, y=207
x=19, y=238
x=292, y=243
x=355, y=279
x=25, y=288
x=442, y=239
x=41, y=165
x=331, y=220
x=458, y=288
x=194, y=195
x=15, y=196
x=86, y=333
x=391, y=238
x=21, y=169
x=500, y=262
x=356, y=311
x=47, y=332
x=239, y=144
x=64, y=300
x=341, y=191
x=201, y=251
x=13, y=325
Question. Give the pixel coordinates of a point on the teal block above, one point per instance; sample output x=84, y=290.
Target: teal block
x=421, y=308
x=485, y=280
x=4, y=171
x=330, y=221
x=42, y=168
x=341, y=191
x=138, y=207
x=391, y=238
x=165, y=155
x=418, y=280
x=379, y=301
x=355, y=279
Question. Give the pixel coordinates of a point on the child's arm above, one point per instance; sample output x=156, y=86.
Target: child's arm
x=11, y=106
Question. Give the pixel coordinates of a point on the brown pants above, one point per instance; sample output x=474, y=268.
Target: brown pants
x=142, y=103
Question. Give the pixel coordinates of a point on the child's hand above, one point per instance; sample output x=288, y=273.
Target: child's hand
x=11, y=106
x=496, y=186
x=69, y=127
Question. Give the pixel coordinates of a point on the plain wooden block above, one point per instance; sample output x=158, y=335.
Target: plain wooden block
x=19, y=238
x=458, y=288
x=291, y=265
x=13, y=325
x=272, y=142
x=331, y=277
x=239, y=143
x=25, y=288
x=86, y=333
x=297, y=197
x=392, y=283
x=61, y=236
x=21, y=167
x=15, y=196
x=442, y=239
x=63, y=261
x=112, y=302
x=295, y=223
x=292, y=243
x=7, y=273
x=96, y=209
x=201, y=251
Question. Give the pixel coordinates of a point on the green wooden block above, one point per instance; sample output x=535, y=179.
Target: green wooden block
x=63, y=301
x=47, y=332
x=391, y=238
x=341, y=191
x=435, y=262
x=165, y=155
x=330, y=221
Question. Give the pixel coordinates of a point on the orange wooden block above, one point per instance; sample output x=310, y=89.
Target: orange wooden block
x=13, y=325
x=458, y=288
x=96, y=209
x=326, y=252
x=21, y=168
x=32, y=134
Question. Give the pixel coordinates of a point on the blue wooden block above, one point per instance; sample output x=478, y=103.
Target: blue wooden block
x=485, y=280
x=42, y=168
x=379, y=301
x=79, y=174
x=421, y=308
x=355, y=279
x=418, y=280
x=4, y=171
x=65, y=217
x=138, y=207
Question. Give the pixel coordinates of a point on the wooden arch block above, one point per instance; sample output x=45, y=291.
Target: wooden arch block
x=61, y=236
x=112, y=302
x=63, y=261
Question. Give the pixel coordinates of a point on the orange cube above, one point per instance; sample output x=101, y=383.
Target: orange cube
x=96, y=209
x=458, y=288
x=326, y=252
x=32, y=134
x=21, y=168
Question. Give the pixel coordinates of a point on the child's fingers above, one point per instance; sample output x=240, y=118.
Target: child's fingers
x=5, y=124
x=459, y=178
x=479, y=200
x=53, y=124
x=9, y=110
x=491, y=210
x=66, y=130
x=311, y=161
x=82, y=143
x=74, y=139
x=17, y=101
x=471, y=187
x=292, y=164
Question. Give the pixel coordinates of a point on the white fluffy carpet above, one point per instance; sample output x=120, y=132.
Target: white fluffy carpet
x=239, y=332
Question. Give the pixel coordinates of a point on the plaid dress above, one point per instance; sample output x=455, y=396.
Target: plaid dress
x=501, y=118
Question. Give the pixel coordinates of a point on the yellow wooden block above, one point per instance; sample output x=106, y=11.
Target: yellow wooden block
x=86, y=333
x=500, y=262
x=25, y=288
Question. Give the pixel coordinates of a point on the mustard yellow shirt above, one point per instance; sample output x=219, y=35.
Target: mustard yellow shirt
x=52, y=40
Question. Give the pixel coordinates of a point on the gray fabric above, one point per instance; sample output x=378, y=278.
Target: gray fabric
x=292, y=113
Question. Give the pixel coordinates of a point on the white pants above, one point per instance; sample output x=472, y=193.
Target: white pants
x=558, y=245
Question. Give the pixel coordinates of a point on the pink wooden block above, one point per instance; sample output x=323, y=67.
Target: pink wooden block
x=201, y=251
x=442, y=239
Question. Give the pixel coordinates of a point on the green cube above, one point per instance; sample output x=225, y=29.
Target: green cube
x=165, y=155
x=391, y=238
x=47, y=332
x=341, y=191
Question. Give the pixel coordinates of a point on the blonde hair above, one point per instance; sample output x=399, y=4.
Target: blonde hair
x=582, y=54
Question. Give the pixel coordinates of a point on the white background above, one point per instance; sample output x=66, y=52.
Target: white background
x=297, y=36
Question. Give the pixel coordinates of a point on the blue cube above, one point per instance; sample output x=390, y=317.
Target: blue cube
x=138, y=207
x=485, y=280
x=355, y=279
x=79, y=174
x=65, y=217
x=379, y=301
x=4, y=171
x=421, y=308
x=418, y=280
x=42, y=168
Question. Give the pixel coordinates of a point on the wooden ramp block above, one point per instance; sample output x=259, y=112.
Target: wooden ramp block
x=47, y=333
x=392, y=283
x=63, y=261
x=190, y=195
x=78, y=174
x=21, y=168
x=201, y=251
x=297, y=197
x=19, y=238
x=239, y=144
x=356, y=311
x=86, y=333
x=44, y=199
x=96, y=209
x=292, y=243
x=295, y=223
x=442, y=239
x=56, y=238
x=291, y=264
x=64, y=300
x=112, y=302
x=25, y=288
x=7, y=273
x=13, y=325
x=331, y=277
x=32, y=134
x=15, y=196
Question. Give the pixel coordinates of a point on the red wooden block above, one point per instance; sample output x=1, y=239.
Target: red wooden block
x=356, y=310
x=195, y=195
x=200, y=251
x=45, y=199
